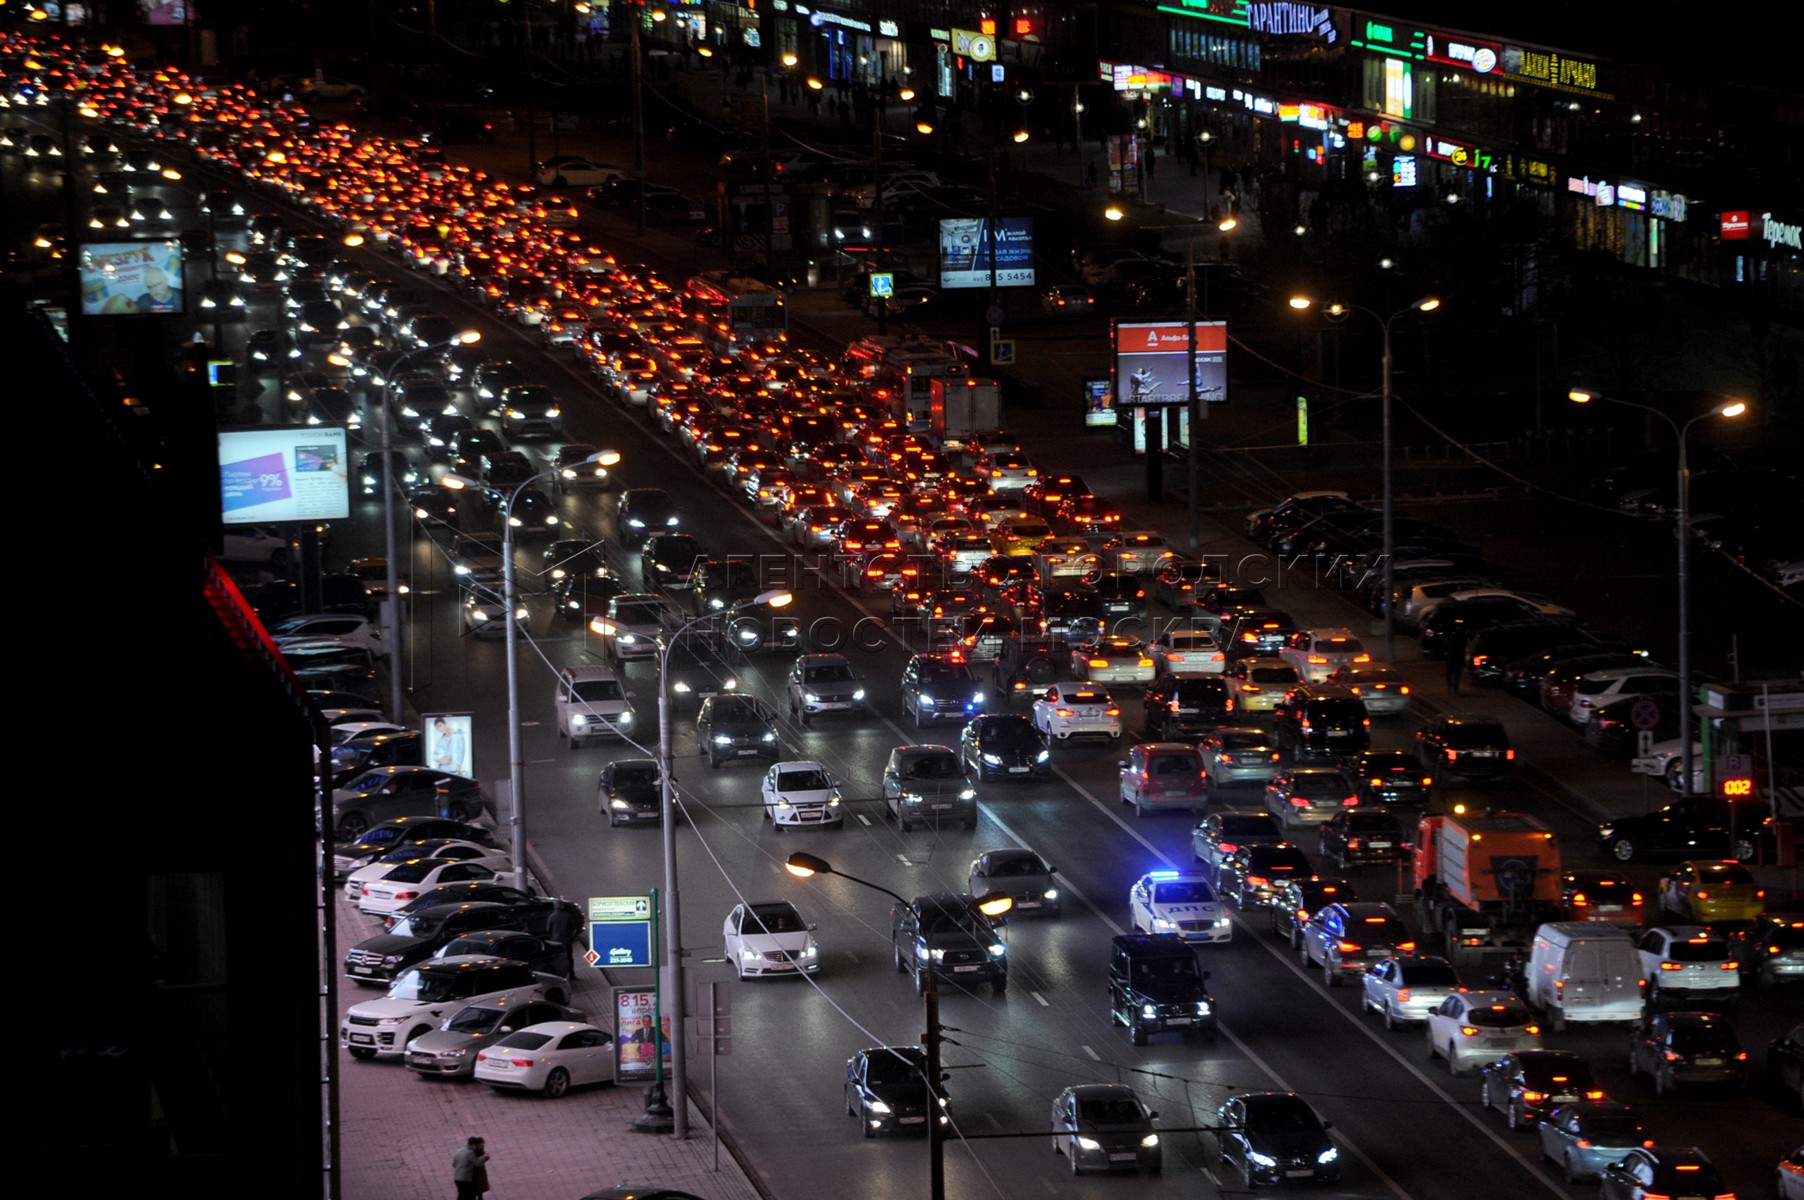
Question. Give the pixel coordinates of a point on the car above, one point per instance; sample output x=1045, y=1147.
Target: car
x=531, y=409
x=937, y=687
x=1677, y=1049
x=449, y=1051
x=330, y=87
x=1303, y=796
x=349, y=628
x=477, y=558
x=1184, y=903
x=484, y=615
x=824, y=683
x=1601, y=895
x=1650, y=1172
x=668, y=560
x=424, y=995
x=645, y=511
x=1468, y=745
x=1295, y=901
x=1785, y=1063
x=1689, y=828
x=388, y=836
x=736, y=725
x=406, y=881
x=549, y=1058
x=1260, y=632
x=515, y=944
x=1004, y=745
x=1688, y=961
x=1254, y=874
x=800, y=792
x=578, y=468
x=1261, y=683
x=1529, y=1084
x=1404, y=989
x=1390, y=779
x=1113, y=660
x=1185, y=707
x=1347, y=936
x=637, y=622
x=1160, y=775
x=377, y=960
x=1790, y=1180
x=722, y=585
x=591, y=703
x=926, y=785
x=1275, y=1137
x=1187, y=652
x=1701, y=893
x=570, y=170
x=1382, y=689
x=946, y=936
x=1239, y=754
x=1104, y=1126
x=1472, y=1028
x=1586, y=1137
x=579, y=555
x=1598, y=688
x=887, y=1090
x=1318, y=653
x=1020, y=874
x=1318, y=721
x=1775, y=949
x=1067, y=710
x=381, y=793
x=769, y=938
x=631, y=791
x=1220, y=834
x=584, y=597
x=1360, y=835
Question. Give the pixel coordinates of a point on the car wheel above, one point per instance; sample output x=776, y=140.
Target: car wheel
x=1452, y=1062
x=1744, y=849
x=1662, y=1083
x=1653, y=993
x=1330, y=976
x=920, y=983
x=352, y=826
x=1136, y=1034
x=1572, y=1176
x=999, y=985
x=362, y=1053
x=1514, y=1117
x=1484, y=1094
x=1623, y=849
x=1075, y=1168
x=557, y=1083
x=900, y=965
x=1390, y=1018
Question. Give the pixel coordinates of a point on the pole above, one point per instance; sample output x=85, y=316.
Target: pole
x=391, y=635
x=1686, y=756
x=656, y=1117
x=1190, y=464
x=1390, y=618
x=936, y=1133
x=639, y=117
x=673, y=935
x=516, y=766
x=532, y=133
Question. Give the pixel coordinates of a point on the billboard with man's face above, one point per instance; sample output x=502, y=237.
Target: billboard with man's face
x=124, y=278
x=1149, y=363
x=638, y=1036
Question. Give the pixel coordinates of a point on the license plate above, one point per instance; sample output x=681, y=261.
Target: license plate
x=911, y=1120
x=1377, y=845
x=744, y=753
x=1018, y=770
x=1609, y=908
x=1709, y=1062
x=363, y=970
x=1304, y=1173
x=1027, y=904
x=363, y=1039
x=1174, y=1021
x=1130, y=1156
x=939, y=807
x=962, y=970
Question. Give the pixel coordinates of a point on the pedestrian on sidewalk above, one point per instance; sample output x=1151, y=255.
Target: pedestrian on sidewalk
x=1090, y=174
x=1455, y=654
x=470, y=1170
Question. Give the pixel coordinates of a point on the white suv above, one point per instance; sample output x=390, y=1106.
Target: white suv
x=1319, y=653
x=421, y=998
x=1600, y=687
x=592, y=704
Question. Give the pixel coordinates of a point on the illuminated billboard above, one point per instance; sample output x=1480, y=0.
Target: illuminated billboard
x=1149, y=363
x=970, y=245
x=285, y=473
x=123, y=278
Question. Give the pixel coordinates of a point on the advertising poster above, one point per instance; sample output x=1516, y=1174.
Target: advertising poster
x=1149, y=363
x=127, y=278
x=1099, y=401
x=283, y=474
x=163, y=12
x=967, y=245
x=448, y=738
x=635, y=1019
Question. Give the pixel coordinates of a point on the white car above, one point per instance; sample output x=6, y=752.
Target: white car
x=591, y=703
x=638, y=620
x=1688, y=960
x=1319, y=653
x=350, y=731
x=569, y=170
x=330, y=87
x=422, y=997
x=1005, y=471
x=348, y=628
x=1069, y=710
x=1136, y=552
x=1180, y=903
x=1469, y=1029
x=1599, y=688
x=446, y=848
x=550, y=1058
x=801, y=793
x=1665, y=760
x=1406, y=990
x=407, y=881
x=769, y=939
x=1188, y=652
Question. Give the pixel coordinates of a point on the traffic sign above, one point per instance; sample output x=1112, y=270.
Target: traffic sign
x=1644, y=713
x=1002, y=352
x=883, y=283
x=993, y=316
x=619, y=908
x=620, y=932
x=1644, y=743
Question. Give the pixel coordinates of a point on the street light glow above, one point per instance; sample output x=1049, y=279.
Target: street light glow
x=1113, y=212
x=1300, y=302
x=1731, y=410
x=803, y=865
x=1021, y=136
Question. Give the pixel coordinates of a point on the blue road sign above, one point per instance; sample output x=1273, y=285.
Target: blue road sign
x=621, y=943
x=883, y=283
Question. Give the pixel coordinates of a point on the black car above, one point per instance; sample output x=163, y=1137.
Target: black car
x=1257, y=633
x=1469, y=745
x=583, y=597
x=696, y=670
x=1321, y=721
x=645, y=511
x=1275, y=1137
x=1529, y=1084
x=938, y=687
x=1677, y=1049
x=1072, y=614
x=1491, y=651
x=887, y=1090
x=574, y=556
x=1220, y=834
x=737, y=725
x=1785, y=1063
x=718, y=584
x=337, y=594
x=399, y=748
x=946, y=936
x=1183, y=708
x=457, y=893
x=1123, y=599
x=630, y=791
x=1157, y=986
x=401, y=791
x=440, y=430
x=1698, y=827
x=1363, y=835
x=1391, y=779
x=1649, y=1171
x=1004, y=746
x=377, y=960
x=1254, y=875
x=515, y=944
x=1296, y=900
x=669, y=560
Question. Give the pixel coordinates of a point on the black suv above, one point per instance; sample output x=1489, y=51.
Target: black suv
x=1681, y=1048
x=937, y=687
x=1360, y=835
x=1254, y=875
x=645, y=511
x=737, y=725
x=1156, y=986
x=630, y=790
x=1320, y=721
x=377, y=960
x=1470, y=745
x=946, y=935
x=1389, y=779
x=1692, y=828
x=1258, y=633
x=1184, y=707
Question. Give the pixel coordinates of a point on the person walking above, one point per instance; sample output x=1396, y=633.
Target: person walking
x=1455, y=657
x=470, y=1169
x=562, y=931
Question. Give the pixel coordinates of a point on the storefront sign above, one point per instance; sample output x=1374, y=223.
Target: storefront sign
x=889, y=29
x=1778, y=233
x=1668, y=206
x=1458, y=153
x=1533, y=170
x=1229, y=12
x=826, y=18
x=1129, y=77
x=978, y=47
x=1284, y=18
x=1479, y=57
x=976, y=252
x=1403, y=171
x=940, y=35
x=1601, y=193
x=1548, y=68
x=1735, y=226
x=1631, y=195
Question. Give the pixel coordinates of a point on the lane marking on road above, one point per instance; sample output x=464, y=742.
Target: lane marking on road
x=1043, y=1001
x=862, y=819
x=1093, y=1054
x=991, y=1118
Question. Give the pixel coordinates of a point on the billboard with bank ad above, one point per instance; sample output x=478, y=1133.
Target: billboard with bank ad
x=1149, y=363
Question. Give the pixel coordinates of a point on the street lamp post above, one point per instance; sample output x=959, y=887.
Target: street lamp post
x=673, y=1116
x=1728, y=408
x=1339, y=312
x=803, y=866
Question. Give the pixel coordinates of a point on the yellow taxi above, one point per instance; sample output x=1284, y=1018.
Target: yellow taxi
x=1701, y=892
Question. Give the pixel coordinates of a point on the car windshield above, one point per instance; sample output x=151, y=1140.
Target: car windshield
x=829, y=673
x=892, y=1067
x=941, y=921
x=1498, y=1016
x=365, y=783
x=777, y=919
x=739, y=708
x=1251, y=740
x=1183, y=891
x=1010, y=735
x=412, y=872
x=946, y=673
x=811, y=780
x=1686, y=1179
x=424, y=923
x=639, y=614
x=1373, y=822
x=475, y=1019
x=936, y=766
x=1726, y=873
x=1699, y=950
x=1016, y=866
x=1281, y=1113
x=1613, y=1131
x=1429, y=974
x=1319, y=787
x=418, y=985
x=593, y=690
x=1116, y=1110
x=1246, y=825
x=1174, y=968
x=635, y=774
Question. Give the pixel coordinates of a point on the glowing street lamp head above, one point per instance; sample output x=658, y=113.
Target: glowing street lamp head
x=1113, y=212
x=1733, y=409
x=1300, y=302
x=802, y=865
x=1579, y=397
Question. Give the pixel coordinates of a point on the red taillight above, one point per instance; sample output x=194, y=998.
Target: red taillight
x=1348, y=948
x=521, y=1062
x=1403, y=995
x=1407, y=947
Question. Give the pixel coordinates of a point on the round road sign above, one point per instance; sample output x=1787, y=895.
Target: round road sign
x=1644, y=713
x=994, y=314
